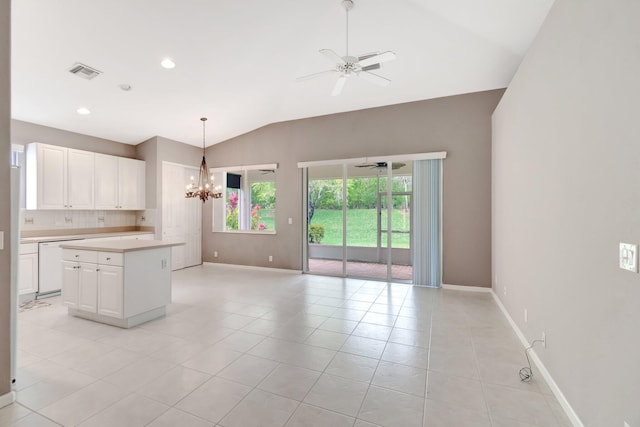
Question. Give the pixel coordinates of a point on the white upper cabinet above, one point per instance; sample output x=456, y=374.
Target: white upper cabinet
x=131, y=182
x=80, y=189
x=66, y=178
x=106, y=181
x=58, y=177
x=119, y=183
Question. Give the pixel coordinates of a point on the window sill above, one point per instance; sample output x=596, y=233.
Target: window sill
x=256, y=232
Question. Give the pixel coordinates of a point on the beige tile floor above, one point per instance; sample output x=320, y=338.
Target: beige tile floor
x=242, y=348
x=360, y=269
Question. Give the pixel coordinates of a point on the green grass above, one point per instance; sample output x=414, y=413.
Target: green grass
x=361, y=227
x=268, y=219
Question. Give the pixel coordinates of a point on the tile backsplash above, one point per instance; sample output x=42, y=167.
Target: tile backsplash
x=33, y=220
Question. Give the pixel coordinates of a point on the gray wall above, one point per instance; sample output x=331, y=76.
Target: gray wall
x=5, y=194
x=154, y=151
x=460, y=125
x=566, y=191
x=25, y=132
x=148, y=151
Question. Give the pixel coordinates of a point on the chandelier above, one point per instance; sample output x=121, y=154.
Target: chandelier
x=204, y=190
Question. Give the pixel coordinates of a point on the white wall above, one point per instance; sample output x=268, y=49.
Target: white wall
x=5, y=191
x=566, y=191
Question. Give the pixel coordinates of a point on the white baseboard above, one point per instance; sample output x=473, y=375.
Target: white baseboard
x=466, y=288
x=7, y=399
x=571, y=414
x=254, y=267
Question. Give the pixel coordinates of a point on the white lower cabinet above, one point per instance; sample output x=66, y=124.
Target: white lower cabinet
x=28, y=269
x=88, y=287
x=110, y=291
x=93, y=287
x=70, y=279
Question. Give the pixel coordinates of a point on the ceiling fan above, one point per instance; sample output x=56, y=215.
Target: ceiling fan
x=347, y=66
x=382, y=165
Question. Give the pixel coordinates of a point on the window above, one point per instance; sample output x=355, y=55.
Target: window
x=249, y=199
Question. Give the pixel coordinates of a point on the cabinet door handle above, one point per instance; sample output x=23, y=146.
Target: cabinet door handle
x=97, y=269
x=77, y=256
x=108, y=259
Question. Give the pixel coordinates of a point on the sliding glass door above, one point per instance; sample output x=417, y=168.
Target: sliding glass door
x=325, y=221
x=359, y=220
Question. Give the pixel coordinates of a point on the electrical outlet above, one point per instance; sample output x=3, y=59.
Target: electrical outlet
x=505, y=291
x=290, y=220
x=270, y=258
x=496, y=280
x=526, y=316
x=544, y=340
x=215, y=254
x=629, y=257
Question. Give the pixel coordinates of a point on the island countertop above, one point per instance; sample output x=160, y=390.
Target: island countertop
x=121, y=245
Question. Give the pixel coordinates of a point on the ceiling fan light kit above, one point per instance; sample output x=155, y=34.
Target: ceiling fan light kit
x=347, y=66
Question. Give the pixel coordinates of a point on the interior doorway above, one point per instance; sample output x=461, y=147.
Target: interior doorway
x=181, y=217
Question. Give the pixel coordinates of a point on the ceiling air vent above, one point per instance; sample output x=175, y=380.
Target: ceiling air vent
x=84, y=71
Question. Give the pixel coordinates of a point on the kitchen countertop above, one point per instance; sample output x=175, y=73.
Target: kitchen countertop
x=42, y=239
x=121, y=245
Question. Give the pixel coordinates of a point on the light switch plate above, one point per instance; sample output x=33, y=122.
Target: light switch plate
x=1, y=240
x=629, y=257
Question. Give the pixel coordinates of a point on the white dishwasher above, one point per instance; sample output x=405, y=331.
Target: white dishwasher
x=50, y=267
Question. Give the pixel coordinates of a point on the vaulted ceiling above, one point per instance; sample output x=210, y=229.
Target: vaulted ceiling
x=237, y=61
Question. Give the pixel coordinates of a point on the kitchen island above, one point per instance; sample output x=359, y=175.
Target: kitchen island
x=121, y=282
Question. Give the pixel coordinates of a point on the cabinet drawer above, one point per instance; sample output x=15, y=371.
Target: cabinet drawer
x=111, y=258
x=28, y=248
x=80, y=255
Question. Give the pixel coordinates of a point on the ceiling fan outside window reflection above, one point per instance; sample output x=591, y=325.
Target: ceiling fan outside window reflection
x=381, y=165
x=347, y=66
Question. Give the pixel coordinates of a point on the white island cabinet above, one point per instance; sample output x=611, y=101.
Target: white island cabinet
x=121, y=282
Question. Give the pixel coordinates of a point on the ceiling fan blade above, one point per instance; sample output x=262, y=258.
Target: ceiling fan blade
x=376, y=59
x=332, y=56
x=337, y=89
x=314, y=75
x=374, y=78
x=372, y=67
x=366, y=166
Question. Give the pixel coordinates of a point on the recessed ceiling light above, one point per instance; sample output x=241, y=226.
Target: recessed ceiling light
x=83, y=111
x=168, y=63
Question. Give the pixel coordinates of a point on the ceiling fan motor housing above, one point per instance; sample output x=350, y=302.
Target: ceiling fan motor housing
x=347, y=4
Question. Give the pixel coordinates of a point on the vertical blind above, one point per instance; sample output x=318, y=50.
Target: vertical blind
x=427, y=222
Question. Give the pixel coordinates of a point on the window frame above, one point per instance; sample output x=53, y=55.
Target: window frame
x=219, y=206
